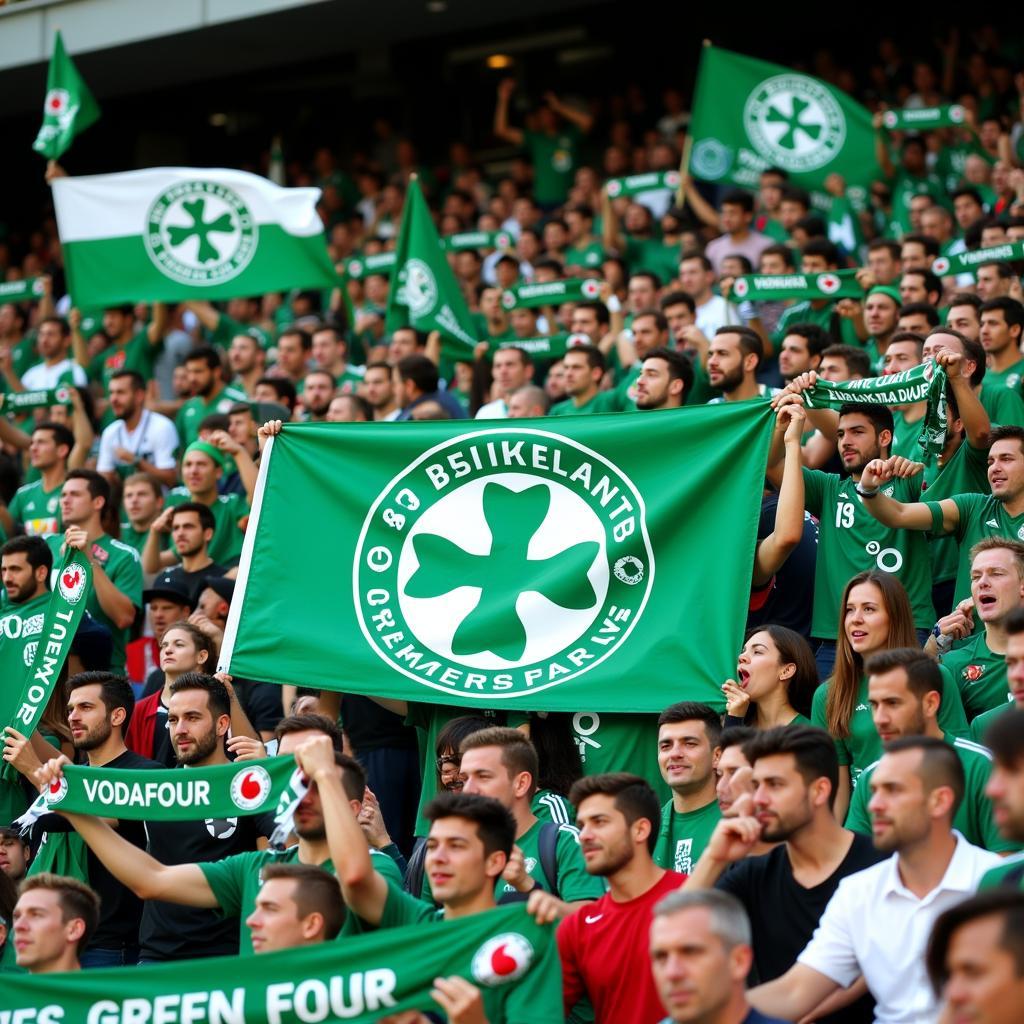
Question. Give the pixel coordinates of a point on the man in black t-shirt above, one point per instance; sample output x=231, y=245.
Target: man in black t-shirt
x=198, y=717
x=785, y=891
x=100, y=705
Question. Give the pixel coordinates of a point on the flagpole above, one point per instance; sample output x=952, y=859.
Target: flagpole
x=684, y=162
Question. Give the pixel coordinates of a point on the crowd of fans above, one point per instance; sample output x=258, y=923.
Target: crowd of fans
x=812, y=854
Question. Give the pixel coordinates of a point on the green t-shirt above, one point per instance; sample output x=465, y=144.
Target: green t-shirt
x=851, y=540
x=573, y=882
x=805, y=313
x=981, y=724
x=979, y=674
x=8, y=954
x=226, y=546
x=135, y=538
x=974, y=815
x=654, y=256
x=862, y=747
x=535, y=999
x=348, y=382
x=554, y=158
x=905, y=435
x=24, y=355
x=1008, y=378
x=1003, y=403
x=227, y=327
x=37, y=510
x=196, y=409
x=590, y=255
x=136, y=354
x=603, y=401
x=951, y=161
x=122, y=565
x=548, y=805
x=235, y=882
x=995, y=877
x=966, y=472
x=683, y=836
x=905, y=186
x=618, y=742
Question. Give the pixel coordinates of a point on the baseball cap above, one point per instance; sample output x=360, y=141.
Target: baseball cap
x=171, y=588
x=222, y=586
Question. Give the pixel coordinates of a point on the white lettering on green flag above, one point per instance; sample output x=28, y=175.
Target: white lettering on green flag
x=18, y=401
x=545, y=568
x=963, y=262
x=358, y=267
x=831, y=284
x=464, y=240
x=544, y=346
x=749, y=115
x=552, y=293
x=27, y=290
x=949, y=115
x=634, y=184
x=176, y=233
x=512, y=959
x=69, y=107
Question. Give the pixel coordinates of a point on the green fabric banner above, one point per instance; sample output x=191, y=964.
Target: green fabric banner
x=966, y=262
x=170, y=794
x=425, y=294
x=543, y=564
x=924, y=383
x=29, y=289
x=749, y=115
x=634, y=184
x=949, y=115
x=69, y=107
x=833, y=284
x=512, y=959
x=357, y=267
x=477, y=240
x=63, y=613
x=552, y=293
x=544, y=346
x=18, y=401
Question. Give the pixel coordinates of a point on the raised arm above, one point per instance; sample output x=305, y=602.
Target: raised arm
x=158, y=323
x=700, y=206
x=611, y=238
x=580, y=118
x=882, y=146
x=773, y=551
x=898, y=515
x=81, y=427
x=975, y=419
x=247, y=469
x=205, y=312
x=501, y=126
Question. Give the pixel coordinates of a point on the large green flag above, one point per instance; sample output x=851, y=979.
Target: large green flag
x=512, y=959
x=593, y=561
x=749, y=115
x=69, y=107
x=425, y=294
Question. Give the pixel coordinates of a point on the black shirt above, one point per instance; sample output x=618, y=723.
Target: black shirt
x=783, y=914
x=120, y=908
x=171, y=931
x=194, y=580
x=371, y=727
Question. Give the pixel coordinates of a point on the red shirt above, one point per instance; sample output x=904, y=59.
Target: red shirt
x=604, y=949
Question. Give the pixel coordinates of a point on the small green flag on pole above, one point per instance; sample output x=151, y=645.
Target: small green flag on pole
x=425, y=294
x=69, y=107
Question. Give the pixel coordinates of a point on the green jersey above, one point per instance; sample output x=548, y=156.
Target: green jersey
x=350, y=378
x=573, y=882
x=551, y=806
x=683, y=836
x=228, y=510
x=905, y=186
x=851, y=540
x=123, y=567
x=824, y=317
x=227, y=327
x=590, y=256
x=1004, y=405
x=1010, y=872
x=619, y=742
x=966, y=472
x=974, y=815
x=654, y=256
x=603, y=401
x=981, y=724
x=137, y=353
x=862, y=747
x=196, y=409
x=235, y=882
x=37, y=510
x=24, y=354
x=1008, y=378
x=554, y=158
x=134, y=538
x=905, y=435
x=536, y=999
x=979, y=674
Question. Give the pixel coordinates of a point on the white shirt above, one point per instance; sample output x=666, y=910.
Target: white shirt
x=42, y=377
x=154, y=439
x=496, y=410
x=716, y=312
x=875, y=926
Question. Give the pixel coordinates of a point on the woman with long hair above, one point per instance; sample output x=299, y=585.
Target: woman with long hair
x=775, y=680
x=560, y=765
x=874, y=615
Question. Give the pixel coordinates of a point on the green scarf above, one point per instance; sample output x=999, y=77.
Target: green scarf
x=552, y=293
x=477, y=240
x=634, y=184
x=544, y=346
x=832, y=284
x=967, y=261
x=358, y=267
x=22, y=400
x=924, y=383
x=28, y=289
x=949, y=115
x=371, y=976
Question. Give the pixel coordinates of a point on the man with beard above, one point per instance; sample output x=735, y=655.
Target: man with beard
x=1002, y=324
x=665, y=380
x=191, y=527
x=378, y=389
x=198, y=717
x=209, y=393
x=248, y=362
x=904, y=691
x=139, y=440
x=316, y=394
x=230, y=884
x=878, y=922
x=733, y=359
x=785, y=891
x=100, y=707
x=330, y=353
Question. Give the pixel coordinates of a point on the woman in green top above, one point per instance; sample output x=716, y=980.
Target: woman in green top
x=776, y=677
x=874, y=615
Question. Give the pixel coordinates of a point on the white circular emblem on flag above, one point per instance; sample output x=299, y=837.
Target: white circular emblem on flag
x=575, y=340
x=62, y=394
x=200, y=233
x=795, y=122
x=829, y=283
x=613, y=188
x=672, y=179
x=940, y=266
x=740, y=287
x=502, y=958
x=56, y=102
x=56, y=791
x=355, y=268
x=250, y=787
x=590, y=289
x=420, y=288
x=956, y=113
x=492, y=559
x=503, y=240
x=508, y=300
x=711, y=159
x=71, y=583
x=890, y=119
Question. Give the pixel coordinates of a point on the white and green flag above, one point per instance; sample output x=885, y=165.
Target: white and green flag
x=68, y=108
x=176, y=233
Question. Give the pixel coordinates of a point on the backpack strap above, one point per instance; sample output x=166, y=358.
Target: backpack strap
x=547, y=848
